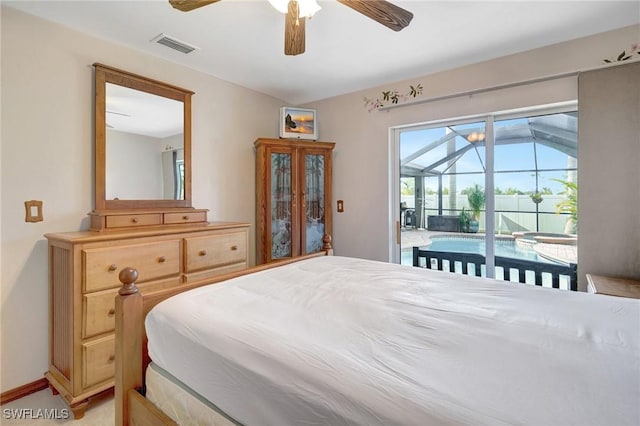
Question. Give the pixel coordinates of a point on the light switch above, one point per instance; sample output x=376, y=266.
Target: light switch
x=340, y=206
x=33, y=211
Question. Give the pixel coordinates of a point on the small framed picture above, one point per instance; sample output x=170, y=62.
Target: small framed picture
x=298, y=123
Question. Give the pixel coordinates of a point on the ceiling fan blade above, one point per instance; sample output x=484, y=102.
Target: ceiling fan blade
x=381, y=11
x=294, y=31
x=187, y=5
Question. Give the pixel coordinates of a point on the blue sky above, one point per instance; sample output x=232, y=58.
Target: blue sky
x=510, y=157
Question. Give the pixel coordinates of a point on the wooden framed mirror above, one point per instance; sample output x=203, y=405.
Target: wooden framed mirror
x=142, y=148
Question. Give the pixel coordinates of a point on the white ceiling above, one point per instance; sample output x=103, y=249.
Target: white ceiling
x=242, y=41
x=133, y=111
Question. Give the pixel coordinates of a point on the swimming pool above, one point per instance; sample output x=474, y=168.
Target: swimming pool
x=504, y=247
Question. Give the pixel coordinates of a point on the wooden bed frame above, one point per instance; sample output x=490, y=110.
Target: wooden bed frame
x=132, y=359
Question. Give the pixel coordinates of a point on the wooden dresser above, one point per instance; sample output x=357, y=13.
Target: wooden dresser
x=83, y=277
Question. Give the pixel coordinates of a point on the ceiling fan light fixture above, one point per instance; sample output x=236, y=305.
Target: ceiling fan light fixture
x=307, y=8
x=297, y=11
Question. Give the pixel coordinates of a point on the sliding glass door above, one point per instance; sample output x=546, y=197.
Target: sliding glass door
x=502, y=188
x=535, y=191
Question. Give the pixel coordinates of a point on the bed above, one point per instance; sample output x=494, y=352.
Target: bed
x=334, y=340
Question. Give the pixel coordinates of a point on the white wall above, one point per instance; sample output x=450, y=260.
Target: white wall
x=142, y=182
x=608, y=178
x=361, y=162
x=47, y=154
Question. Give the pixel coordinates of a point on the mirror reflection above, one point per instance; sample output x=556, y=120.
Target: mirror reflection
x=147, y=131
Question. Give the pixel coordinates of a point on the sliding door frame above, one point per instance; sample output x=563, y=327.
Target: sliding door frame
x=489, y=120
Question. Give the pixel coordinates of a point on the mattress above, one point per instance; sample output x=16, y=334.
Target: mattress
x=334, y=340
x=179, y=402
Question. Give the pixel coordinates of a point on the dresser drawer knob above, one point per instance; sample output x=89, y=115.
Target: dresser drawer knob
x=185, y=217
x=202, y=253
x=113, y=267
x=234, y=248
x=111, y=312
x=112, y=358
x=162, y=259
x=134, y=220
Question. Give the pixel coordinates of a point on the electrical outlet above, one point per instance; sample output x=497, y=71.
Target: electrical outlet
x=340, y=206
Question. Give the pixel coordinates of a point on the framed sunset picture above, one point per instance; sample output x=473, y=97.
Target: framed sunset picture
x=298, y=123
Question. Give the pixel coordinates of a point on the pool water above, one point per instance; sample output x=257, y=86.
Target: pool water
x=503, y=248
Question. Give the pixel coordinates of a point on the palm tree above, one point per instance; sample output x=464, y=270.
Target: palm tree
x=570, y=204
x=476, y=198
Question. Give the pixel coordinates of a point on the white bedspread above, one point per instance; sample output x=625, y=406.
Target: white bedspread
x=334, y=341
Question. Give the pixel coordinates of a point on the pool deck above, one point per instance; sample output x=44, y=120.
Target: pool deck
x=560, y=252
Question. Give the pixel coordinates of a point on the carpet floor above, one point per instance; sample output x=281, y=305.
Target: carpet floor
x=45, y=409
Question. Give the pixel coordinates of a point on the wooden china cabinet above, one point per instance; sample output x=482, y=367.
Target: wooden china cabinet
x=293, y=197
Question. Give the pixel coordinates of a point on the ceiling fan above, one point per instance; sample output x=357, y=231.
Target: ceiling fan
x=381, y=11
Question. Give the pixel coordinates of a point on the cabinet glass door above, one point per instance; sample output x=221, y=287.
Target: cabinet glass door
x=314, y=214
x=281, y=205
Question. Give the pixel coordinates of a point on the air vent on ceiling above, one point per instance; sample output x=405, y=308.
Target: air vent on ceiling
x=174, y=43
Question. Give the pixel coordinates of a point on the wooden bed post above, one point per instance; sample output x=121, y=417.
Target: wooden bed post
x=327, y=245
x=129, y=335
x=132, y=408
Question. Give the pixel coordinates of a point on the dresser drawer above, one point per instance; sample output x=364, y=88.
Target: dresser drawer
x=171, y=218
x=210, y=273
x=129, y=220
x=98, y=361
x=98, y=312
x=150, y=287
x=215, y=250
x=99, y=307
x=152, y=260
